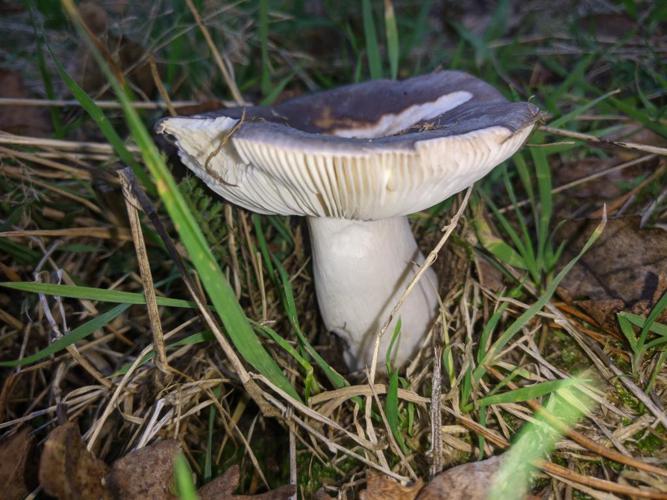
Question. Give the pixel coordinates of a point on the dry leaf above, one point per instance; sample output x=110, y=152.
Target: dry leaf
x=465, y=482
x=13, y=456
x=7, y=385
x=611, y=188
x=626, y=270
x=595, y=192
x=607, y=24
x=95, y=17
x=222, y=488
x=22, y=120
x=382, y=487
x=635, y=132
x=67, y=470
x=125, y=53
x=321, y=494
x=146, y=473
x=8, y=7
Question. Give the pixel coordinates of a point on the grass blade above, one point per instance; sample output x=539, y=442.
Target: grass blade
x=20, y=253
x=529, y=258
x=195, y=338
x=527, y=393
x=290, y=307
x=543, y=176
x=75, y=335
x=391, y=30
x=191, y=236
x=524, y=175
x=639, y=321
x=103, y=123
x=420, y=28
x=391, y=410
x=659, y=364
x=264, y=248
x=488, y=329
x=655, y=313
x=372, y=46
x=391, y=401
x=535, y=441
x=626, y=329
x=572, y=78
x=183, y=479
x=524, y=250
x=90, y=293
x=559, y=122
x=529, y=313
x=56, y=119
x=277, y=89
x=640, y=116
x=286, y=346
x=264, y=44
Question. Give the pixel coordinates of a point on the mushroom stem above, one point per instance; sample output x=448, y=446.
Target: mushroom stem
x=361, y=269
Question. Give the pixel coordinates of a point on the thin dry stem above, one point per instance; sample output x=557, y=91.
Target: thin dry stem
x=160, y=86
x=436, y=414
x=227, y=76
x=145, y=271
x=62, y=103
x=428, y=262
x=584, y=180
x=592, y=139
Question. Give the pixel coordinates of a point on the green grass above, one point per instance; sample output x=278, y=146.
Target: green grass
x=537, y=439
x=215, y=283
x=652, y=337
x=79, y=333
x=372, y=45
x=89, y=293
x=279, y=49
x=183, y=476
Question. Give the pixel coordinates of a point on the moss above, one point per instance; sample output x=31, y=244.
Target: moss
x=615, y=466
x=624, y=396
x=208, y=212
x=564, y=350
x=650, y=444
x=313, y=474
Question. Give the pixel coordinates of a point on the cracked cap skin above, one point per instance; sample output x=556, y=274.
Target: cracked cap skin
x=365, y=151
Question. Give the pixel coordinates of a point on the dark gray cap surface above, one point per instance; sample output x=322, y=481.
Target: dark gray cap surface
x=365, y=151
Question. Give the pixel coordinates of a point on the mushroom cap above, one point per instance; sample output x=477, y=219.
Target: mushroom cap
x=365, y=151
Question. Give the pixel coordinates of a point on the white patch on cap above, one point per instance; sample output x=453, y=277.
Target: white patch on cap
x=391, y=124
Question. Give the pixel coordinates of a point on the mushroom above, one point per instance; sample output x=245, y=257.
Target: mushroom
x=356, y=161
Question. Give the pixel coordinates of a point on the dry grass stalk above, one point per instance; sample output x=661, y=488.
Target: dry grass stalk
x=390, y=436
x=56, y=144
x=197, y=296
x=29, y=178
x=332, y=445
x=160, y=86
x=645, y=148
x=106, y=233
x=588, y=178
x=430, y=258
x=585, y=442
x=436, y=414
x=145, y=270
x=224, y=68
x=326, y=427
x=102, y=104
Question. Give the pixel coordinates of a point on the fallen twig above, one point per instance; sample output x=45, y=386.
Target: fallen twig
x=602, y=141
